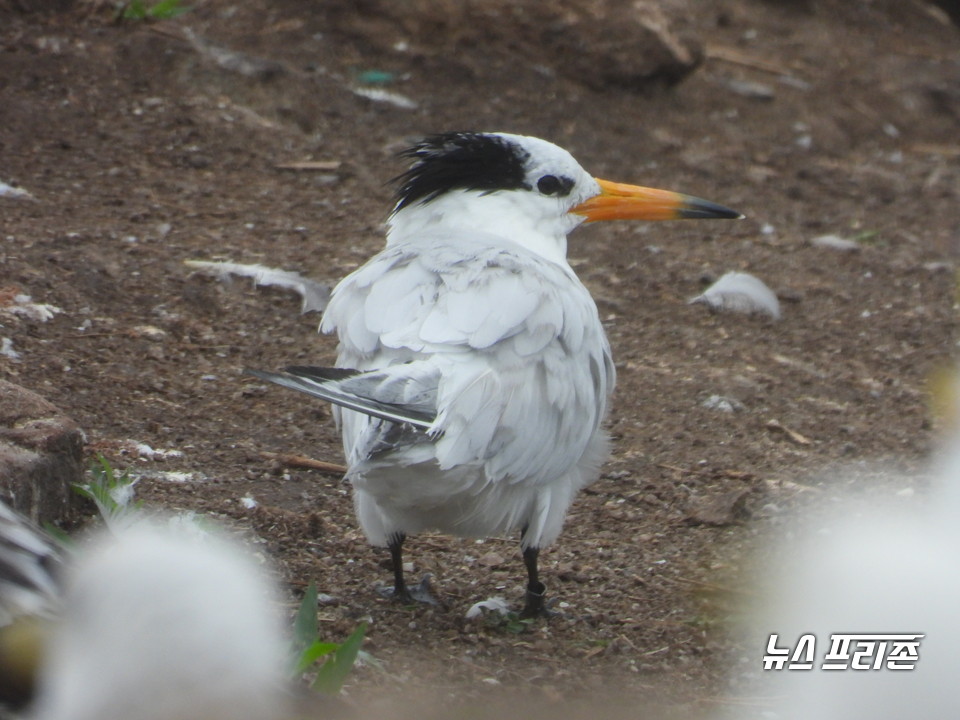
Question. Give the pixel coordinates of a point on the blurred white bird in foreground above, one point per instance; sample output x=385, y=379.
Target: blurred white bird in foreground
x=875, y=567
x=153, y=624
x=473, y=366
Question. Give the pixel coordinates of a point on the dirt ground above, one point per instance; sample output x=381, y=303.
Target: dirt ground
x=147, y=144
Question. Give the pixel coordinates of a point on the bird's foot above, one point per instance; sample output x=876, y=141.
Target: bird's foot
x=406, y=595
x=536, y=606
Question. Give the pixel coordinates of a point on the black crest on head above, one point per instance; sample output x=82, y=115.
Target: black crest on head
x=460, y=161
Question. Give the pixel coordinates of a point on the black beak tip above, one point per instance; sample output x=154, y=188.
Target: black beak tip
x=706, y=210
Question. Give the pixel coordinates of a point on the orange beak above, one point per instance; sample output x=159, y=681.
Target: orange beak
x=618, y=201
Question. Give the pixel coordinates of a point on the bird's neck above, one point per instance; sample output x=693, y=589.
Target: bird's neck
x=540, y=230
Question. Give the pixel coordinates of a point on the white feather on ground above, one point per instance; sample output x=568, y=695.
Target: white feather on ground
x=315, y=295
x=386, y=96
x=7, y=351
x=740, y=292
x=17, y=193
x=22, y=305
x=835, y=242
x=490, y=605
x=159, y=625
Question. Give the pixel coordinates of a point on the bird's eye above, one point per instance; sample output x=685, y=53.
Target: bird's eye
x=553, y=185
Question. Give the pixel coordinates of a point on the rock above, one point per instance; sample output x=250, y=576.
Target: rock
x=606, y=44
x=624, y=45
x=41, y=452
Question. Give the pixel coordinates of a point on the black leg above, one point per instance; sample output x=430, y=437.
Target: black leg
x=400, y=590
x=534, y=606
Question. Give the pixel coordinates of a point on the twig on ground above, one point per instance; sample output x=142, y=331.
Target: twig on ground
x=301, y=461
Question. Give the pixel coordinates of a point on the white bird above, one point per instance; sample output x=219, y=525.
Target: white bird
x=473, y=367
x=163, y=625
x=150, y=623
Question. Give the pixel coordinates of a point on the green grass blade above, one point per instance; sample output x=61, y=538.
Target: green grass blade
x=333, y=673
x=134, y=10
x=166, y=9
x=305, y=628
x=312, y=653
x=59, y=535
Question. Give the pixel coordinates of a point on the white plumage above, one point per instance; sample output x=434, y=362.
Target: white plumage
x=147, y=622
x=522, y=379
x=473, y=321
x=159, y=625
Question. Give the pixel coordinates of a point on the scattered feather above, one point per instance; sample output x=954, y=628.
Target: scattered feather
x=386, y=96
x=740, y=292
x=315, y=295
x=835, y=242
x=490, y=605
x=148, y=453
x=16, y=193
x=173, y=476
x=22, y=305
x=123, y=494
x=176, y=476
x=6, y=349
x=723, y=404
x=248, y=502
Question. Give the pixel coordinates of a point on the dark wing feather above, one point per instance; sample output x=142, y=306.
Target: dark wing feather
x=325, y=383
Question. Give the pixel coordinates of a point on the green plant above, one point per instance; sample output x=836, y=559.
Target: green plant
x=110, y=492
x=59, y=535
x=162, y=10
x=339, y=658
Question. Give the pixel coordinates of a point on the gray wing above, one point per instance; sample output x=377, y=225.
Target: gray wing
x=520, y=358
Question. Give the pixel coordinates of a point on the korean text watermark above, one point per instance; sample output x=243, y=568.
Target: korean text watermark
x=847, y=651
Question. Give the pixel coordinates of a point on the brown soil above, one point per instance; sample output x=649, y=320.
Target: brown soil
x=142, y=152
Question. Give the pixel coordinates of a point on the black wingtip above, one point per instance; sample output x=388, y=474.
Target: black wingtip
x=327, y=374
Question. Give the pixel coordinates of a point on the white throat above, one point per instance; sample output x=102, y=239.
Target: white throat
x=534, y=222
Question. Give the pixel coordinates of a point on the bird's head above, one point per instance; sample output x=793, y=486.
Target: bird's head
x=524, y=189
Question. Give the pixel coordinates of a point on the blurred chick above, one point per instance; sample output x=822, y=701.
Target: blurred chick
x=869, y=566
x=161, y=626
x=153, y=624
